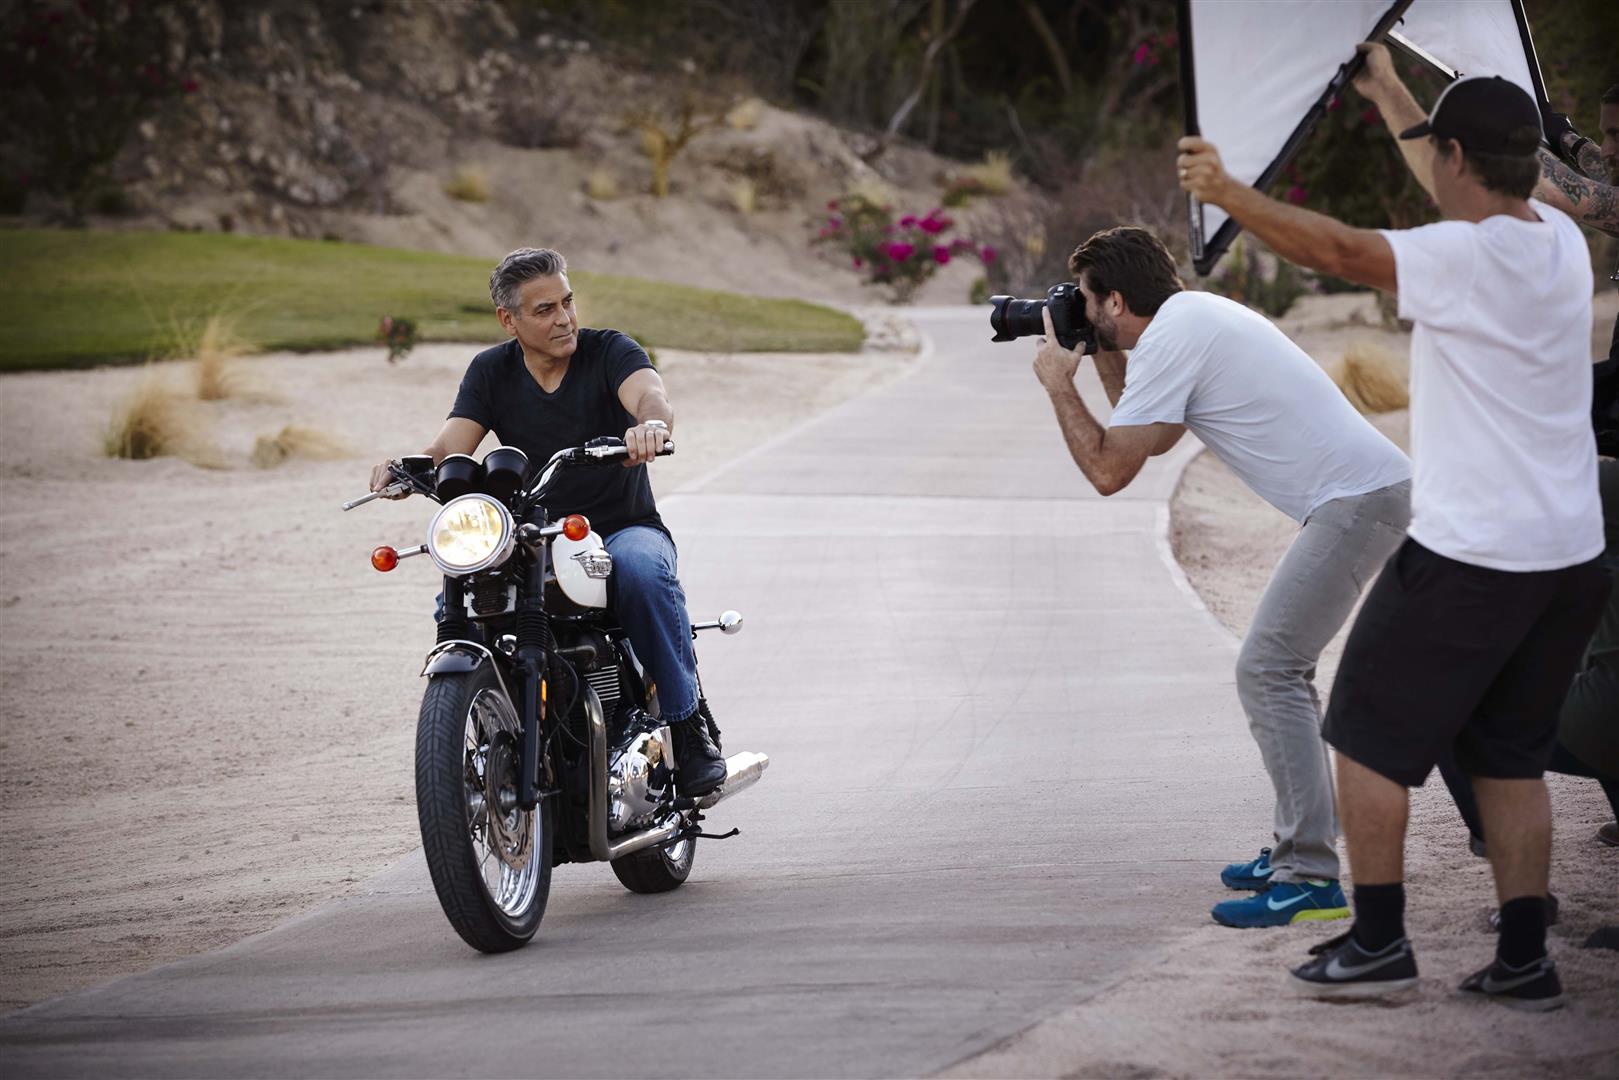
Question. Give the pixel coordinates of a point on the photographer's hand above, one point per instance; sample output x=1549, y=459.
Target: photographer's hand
x=1054, y=365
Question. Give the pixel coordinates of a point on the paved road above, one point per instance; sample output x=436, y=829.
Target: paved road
x=1006, y=761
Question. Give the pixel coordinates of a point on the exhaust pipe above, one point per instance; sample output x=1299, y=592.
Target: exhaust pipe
x=742, y=771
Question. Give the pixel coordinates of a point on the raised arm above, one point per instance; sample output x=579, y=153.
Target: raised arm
x=1380, y=84
x=1300, y=236
x=1589, y=202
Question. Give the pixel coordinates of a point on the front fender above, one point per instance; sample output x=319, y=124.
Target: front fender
x=461, y=657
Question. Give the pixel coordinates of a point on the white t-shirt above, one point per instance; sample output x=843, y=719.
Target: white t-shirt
x=1506, y=470
x=1258, y=401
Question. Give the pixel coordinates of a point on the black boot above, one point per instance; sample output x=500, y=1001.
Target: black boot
x=699, y=766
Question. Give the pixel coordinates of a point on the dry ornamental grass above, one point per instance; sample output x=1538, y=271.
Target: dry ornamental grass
x=216, y=348
x=151, y=422
x=296, y=440
x=1372, y=378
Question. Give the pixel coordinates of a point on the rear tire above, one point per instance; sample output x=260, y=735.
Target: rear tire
x=657, y=869
x=465, y=751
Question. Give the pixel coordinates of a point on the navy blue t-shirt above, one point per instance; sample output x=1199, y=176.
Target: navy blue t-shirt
x=499, y=393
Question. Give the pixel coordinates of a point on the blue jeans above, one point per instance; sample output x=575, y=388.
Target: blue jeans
x=645, y=593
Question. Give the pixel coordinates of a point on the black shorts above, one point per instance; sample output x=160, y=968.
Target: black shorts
x=1446, y=654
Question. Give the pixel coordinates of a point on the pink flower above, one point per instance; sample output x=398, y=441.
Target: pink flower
x=859, y=262
x=908, y=221
x=1295, y=194
x=1143, y=54
x=986, y=254
x=899, y=251
x=941, y=255
x=834, y=223
x=833, y=205
x=934, y=225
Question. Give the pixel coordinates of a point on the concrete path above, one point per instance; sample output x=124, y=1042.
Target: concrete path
x=1007, y=761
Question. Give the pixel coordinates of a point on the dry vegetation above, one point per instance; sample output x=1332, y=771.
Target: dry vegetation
x=469, y=184
x=1374, y=379
x=216, y=348
x=154, y=421
x=297, y=441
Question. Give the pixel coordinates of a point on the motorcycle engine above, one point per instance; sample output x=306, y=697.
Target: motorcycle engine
x=640, y=773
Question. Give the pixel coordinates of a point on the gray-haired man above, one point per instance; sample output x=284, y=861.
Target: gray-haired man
x=554, y=385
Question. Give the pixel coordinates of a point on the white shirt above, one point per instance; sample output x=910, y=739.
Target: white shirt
x=1258, y=401
x=1506, y=471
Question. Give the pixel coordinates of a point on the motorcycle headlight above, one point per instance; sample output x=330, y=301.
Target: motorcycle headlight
x=470, y=534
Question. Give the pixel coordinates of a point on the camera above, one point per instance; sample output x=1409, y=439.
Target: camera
x=1012, y=318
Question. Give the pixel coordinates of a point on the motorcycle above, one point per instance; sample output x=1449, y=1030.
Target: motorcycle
x=539, y=740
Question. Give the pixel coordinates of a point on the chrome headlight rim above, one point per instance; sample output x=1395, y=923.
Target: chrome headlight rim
x=502, y=550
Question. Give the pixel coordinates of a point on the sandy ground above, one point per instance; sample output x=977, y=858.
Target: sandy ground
x=207, y=696
x=1213, y=1005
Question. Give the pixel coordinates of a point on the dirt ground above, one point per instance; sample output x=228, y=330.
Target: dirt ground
x=207, y=696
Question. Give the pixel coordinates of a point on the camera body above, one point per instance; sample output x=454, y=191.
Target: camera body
x=1012, y=318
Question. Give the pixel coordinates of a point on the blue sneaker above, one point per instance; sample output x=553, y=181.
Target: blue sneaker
x=1285, y=902
x=1248, y=875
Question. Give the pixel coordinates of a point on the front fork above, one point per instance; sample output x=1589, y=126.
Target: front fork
x=534, y=644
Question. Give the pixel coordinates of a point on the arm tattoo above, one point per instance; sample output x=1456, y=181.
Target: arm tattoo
x=1589, y=202
x=1590, y=162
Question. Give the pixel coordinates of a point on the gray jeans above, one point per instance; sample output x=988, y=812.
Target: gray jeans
x=1338, y=552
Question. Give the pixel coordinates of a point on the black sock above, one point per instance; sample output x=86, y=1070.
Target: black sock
x=1379, y=915
x=1523, y=931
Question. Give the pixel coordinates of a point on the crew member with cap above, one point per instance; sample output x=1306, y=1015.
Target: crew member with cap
x=1471, y=635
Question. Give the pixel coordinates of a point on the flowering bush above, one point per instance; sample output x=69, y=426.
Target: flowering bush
x=399, y=335
x=897, y=254
x=1243, y=278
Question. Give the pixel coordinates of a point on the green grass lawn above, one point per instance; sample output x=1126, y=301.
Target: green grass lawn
x=75, y=298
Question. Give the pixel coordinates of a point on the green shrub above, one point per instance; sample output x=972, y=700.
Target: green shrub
x=1243, y=278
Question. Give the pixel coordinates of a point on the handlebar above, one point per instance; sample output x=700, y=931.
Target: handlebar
x=406, y=484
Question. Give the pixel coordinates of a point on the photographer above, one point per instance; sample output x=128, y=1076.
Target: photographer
x=1471, y=639
x=1267, y=410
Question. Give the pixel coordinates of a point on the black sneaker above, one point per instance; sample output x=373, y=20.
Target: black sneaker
x=1342, y=969
x=699, y=766
x=1534, y=987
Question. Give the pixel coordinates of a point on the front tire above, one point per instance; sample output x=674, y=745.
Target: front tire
x=491, y=868
x=657, y=869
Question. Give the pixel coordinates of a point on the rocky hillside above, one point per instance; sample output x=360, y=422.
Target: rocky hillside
x=442, y=126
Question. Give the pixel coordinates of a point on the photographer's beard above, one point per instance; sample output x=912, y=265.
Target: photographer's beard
x=1107, y=333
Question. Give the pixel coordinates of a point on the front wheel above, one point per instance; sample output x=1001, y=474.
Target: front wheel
x=657, y=869
x=490, y=860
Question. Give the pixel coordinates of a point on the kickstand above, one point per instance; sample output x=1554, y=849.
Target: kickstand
x=717, y=836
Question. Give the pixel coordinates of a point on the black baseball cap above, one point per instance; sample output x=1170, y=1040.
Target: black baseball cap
x=1486, y=114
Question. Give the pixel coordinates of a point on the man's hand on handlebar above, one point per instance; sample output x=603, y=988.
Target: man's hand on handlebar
x=383, y=475
x=644, y=442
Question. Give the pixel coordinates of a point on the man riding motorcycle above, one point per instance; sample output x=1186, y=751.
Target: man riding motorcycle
x=555, y=385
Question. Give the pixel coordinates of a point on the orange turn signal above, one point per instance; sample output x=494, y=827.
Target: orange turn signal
x=385, y=558
x=576, y=526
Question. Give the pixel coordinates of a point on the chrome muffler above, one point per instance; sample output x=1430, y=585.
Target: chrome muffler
x=742, y=771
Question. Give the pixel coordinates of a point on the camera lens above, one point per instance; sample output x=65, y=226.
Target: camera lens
x=1012, y=318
